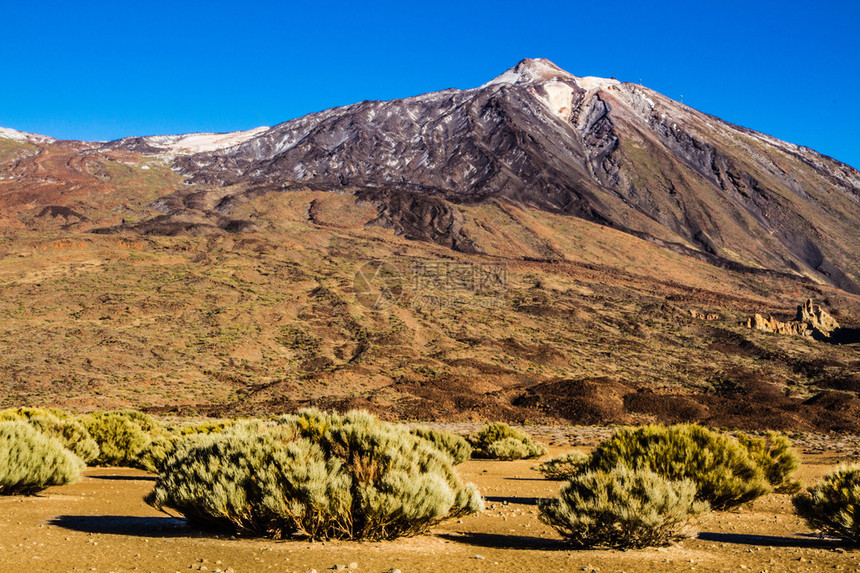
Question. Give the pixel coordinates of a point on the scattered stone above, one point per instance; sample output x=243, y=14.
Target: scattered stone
x=703, y=315
x=479, y=557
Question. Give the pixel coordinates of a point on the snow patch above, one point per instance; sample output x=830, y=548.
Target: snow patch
x=202, y=142
x=542, y=71
x=595, y=83
x=16, y=135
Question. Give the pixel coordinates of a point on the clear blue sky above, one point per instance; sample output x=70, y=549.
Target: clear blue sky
x=103, y=70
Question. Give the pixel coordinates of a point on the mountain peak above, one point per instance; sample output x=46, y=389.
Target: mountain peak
x=539, y=70
x=530, y=71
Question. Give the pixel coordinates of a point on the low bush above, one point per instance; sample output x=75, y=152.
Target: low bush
x=622, y=508
x=447, y=442
x=207, y=427
x=510, y=449
x=160, y=447
x=121, y=436
x=25, y=413
x=496, y=441
x=60, y=426
x=722, y=469
x=30, y=461
x=775, y=455
x=315, y=475
x=563, y=467
x=833, y=506
x=155, y=453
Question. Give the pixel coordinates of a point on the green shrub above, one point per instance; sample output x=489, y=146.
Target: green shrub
x=496, y=432
x=722, y=469
x=833, y=506
x=60, y=426
x=447, y=442
x=510, y=449
x=30, y=461
x=121, y=436
x=622, y=508
x=563, y=467
x=156, y=452
x=314, y=475
x=144, y=421
x=777, y=458
x=26, y=413
x=207, y=427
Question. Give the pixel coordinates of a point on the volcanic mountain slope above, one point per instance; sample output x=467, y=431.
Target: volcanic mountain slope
x=609, y=152
x=280, y=317
x=535, y=138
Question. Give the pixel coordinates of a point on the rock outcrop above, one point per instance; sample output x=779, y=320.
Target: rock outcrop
x=811, y=321
x=703, y=315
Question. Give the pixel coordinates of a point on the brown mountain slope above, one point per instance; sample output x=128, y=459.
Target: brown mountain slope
x=287, y=315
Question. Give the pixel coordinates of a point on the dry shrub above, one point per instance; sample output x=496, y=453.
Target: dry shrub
x=162, y=445
x=833, y=506
x=447, y=442
x=775, y=455
x=622, y=508
x=563, y=467
x=58, y=425
x=121, y=436
x=30, y=461
x=314, y=475
x=722, y=469
x=498, y=440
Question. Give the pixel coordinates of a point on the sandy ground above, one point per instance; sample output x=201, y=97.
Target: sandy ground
x=101, y=524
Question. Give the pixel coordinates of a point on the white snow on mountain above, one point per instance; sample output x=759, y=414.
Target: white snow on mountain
x=200, y=142
x=23, y=136
x=594, y=83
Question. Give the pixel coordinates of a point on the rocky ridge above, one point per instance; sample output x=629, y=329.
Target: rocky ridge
x=811, y=321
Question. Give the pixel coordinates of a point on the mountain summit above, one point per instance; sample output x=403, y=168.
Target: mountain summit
x=535, y=138
x=530, y=71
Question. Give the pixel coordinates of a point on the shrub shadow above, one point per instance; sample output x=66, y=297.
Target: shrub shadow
x=509, y=499
x=501, y=541
x=811, y=542
x=127, y=525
